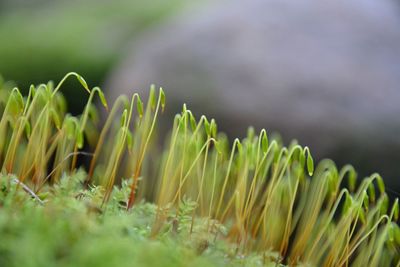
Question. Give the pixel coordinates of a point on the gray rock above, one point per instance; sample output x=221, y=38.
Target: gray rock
x=324, y=72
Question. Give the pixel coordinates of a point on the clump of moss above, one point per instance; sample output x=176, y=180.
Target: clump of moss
x=199, y=201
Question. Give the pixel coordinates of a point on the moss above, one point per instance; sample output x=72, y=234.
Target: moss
x=200, y=201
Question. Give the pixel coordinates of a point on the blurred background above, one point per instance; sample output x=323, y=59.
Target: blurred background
x=324, y=72
x=42, y=40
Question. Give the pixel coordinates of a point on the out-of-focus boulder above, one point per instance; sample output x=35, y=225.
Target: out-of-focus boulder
x=324, y=72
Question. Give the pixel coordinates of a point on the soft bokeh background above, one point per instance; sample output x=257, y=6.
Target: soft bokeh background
x=324, y=72
x=42, y=40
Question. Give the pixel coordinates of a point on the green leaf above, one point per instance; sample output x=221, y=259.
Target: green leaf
x=182, y=122
x=384, y=204
x=348, y=203
x=124, y=118
x=56, y=118
x=264, y=141
x=32, y=90
x=366, y=201
x=361, y=214
x=83, y=82
x=390, y=233
x=19, y=99
x=352, y=179
x=192, y=119
x=102, y=98
x=381, y=184
x=162, y=99
x=129, y=138
x=396, y=210
x=139, y=107
x=207, y=127
x=331, y=184
x=152, y=98
x=302, y=158
x=371, y=191
x=310, y=164
x=213, y=128
x=79, y=139
x=239, y=146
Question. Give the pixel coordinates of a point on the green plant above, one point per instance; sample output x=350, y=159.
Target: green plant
x=254, y=203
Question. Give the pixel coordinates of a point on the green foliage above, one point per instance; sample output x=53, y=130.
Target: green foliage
x=196, y=202
x=71, y=230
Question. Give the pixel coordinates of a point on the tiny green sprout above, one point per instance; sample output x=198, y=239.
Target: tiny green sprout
x=102, y=97
x=366, y=201
x=162, y=98
x=381, y=184
x=302, y=158
x=129, y=138
x=139, y=107
x=32, y=90
x=348, y=203
x=207, y=127
x=79, y=139
x=310, y=161
x=152, y=97
x=124, y=118
x=264, y=141
x=239, y=145
x=361, y=214
x=331, y=184
x=396, y=209
x=83, y=82
x=182, y=122
x=213, y=128
x=192, y=119
x=391, y=232
x=310, y=165
x=79, y=78
x=371, y=191
x=19, y=100
x=384, y=206
x=352, y=179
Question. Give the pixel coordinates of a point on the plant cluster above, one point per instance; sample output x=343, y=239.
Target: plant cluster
x=252, y=202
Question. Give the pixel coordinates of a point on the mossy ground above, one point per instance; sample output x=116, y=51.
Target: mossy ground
x=200, y=201
x=69, y=228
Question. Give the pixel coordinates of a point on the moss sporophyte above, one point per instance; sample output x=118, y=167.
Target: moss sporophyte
x=202, y=200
